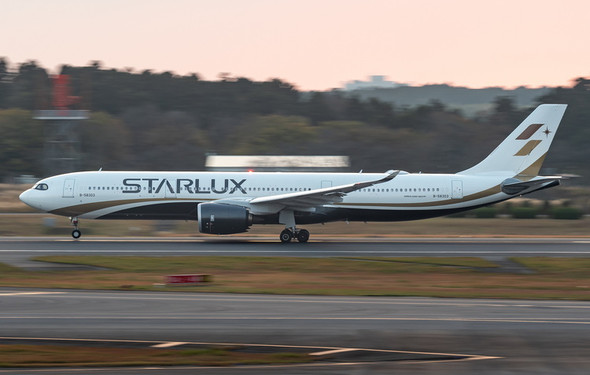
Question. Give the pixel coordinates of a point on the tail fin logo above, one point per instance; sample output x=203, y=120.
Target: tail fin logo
x=547, y=132
x=528, y=132
x=528, y=148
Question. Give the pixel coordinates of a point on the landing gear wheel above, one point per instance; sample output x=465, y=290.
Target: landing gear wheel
x=286, y=236
x=76, y=232
x=303, y=235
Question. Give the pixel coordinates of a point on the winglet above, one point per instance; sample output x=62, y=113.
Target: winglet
x=390, y=176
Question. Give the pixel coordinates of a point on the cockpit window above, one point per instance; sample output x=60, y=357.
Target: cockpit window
x=41, y=187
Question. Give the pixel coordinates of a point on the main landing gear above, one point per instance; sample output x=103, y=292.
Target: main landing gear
x=287, y=235
x=287, y=217
x=76, y=232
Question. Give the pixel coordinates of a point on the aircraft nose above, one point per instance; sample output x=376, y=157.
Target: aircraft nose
x=27, y=198
x=24, y=196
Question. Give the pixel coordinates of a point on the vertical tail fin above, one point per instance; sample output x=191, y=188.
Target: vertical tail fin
x=523, y=152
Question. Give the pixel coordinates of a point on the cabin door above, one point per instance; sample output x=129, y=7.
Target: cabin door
x=69, y=188
x=457, y=190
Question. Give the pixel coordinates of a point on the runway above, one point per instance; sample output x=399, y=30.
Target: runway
x=322, y=247
x=536, y=337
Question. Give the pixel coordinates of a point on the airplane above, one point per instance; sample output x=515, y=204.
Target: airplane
x=231, y=202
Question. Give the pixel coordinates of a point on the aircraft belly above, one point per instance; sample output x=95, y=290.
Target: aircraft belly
x=337, y=214
x=156, y=211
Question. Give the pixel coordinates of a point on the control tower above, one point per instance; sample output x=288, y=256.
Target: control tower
x=61, y=129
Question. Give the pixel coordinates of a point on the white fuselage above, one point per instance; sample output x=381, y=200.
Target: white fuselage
x=133, y=195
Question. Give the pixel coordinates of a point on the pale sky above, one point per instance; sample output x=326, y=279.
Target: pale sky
x=313, y=44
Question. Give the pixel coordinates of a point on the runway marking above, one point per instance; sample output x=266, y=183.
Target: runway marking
x=573, y=321
x=319, y=238
x=295, y=299
x=335, y=351
x=168, y=344
x=111, y=370
x=27, y=293
x=296, y=252
x=327, y=349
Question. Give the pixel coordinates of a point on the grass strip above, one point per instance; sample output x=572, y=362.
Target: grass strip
x=554, y=278
x=19, y=356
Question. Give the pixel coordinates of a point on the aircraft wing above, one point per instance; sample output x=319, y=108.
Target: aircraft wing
x=515, y=186
x=306, y=200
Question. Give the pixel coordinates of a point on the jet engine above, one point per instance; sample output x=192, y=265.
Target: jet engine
x=217, y=218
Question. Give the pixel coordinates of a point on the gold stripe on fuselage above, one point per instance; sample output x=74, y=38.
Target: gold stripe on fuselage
x=90, y=207
x=482, y=194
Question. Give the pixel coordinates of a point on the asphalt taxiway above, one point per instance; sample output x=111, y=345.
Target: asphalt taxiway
x=495, y=336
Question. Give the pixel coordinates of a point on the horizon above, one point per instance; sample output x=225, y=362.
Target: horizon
x=314, y=45
x=13, y=67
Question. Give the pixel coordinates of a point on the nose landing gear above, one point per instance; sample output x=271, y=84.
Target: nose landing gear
x=76, y=232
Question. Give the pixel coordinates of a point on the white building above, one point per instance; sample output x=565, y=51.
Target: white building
x=374, y=82
x=277, y=163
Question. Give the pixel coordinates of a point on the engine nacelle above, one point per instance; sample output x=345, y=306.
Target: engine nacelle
x=216, y=218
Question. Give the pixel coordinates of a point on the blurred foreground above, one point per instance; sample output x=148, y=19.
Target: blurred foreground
x=46, y=224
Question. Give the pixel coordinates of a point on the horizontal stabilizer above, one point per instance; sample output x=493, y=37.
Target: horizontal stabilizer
x=514, y=186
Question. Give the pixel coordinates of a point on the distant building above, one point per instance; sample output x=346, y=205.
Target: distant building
x=280, y=163
x=375, y=82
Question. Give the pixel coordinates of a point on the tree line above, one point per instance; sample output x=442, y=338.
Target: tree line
x=163, y=121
